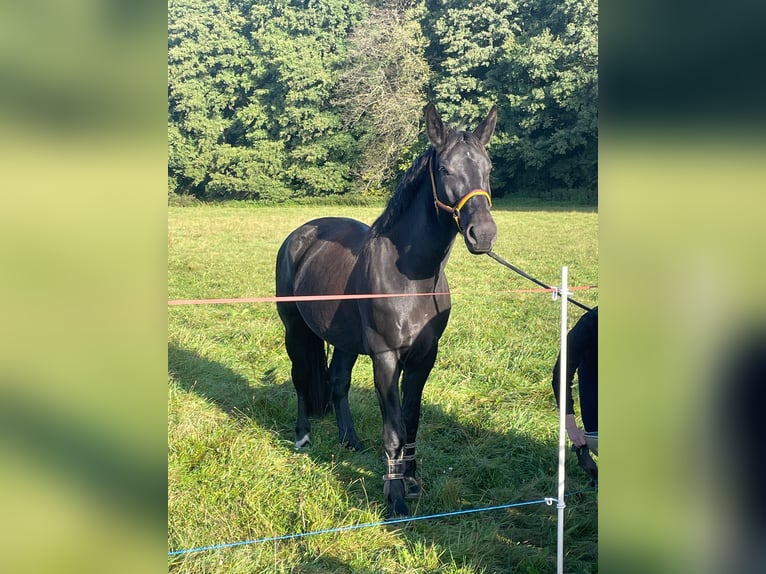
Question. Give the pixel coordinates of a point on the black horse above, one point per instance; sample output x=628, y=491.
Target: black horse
x=405, y=251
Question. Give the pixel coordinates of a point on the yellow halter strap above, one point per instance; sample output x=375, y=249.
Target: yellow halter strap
x=454, y=211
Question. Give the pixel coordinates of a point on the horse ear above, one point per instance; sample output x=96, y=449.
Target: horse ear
x=434, y=126
x=487, y=127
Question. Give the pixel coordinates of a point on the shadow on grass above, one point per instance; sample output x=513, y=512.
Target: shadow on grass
x=461, y=466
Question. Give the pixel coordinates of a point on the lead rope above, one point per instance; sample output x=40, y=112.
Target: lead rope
x=502, y=261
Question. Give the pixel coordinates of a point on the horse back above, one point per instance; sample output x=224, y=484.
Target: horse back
x=319, y=255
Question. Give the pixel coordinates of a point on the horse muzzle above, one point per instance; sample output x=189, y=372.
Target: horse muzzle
x=476, y=225
x=480, y=236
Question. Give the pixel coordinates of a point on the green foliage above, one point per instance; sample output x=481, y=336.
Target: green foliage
x=248, y=88
x=247, y=173
x=551, y=117
x=277, y=99
x=538, y=63
x=468, y=39
x=303, y=45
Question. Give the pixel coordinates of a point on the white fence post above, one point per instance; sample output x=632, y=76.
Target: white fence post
x=561, y=505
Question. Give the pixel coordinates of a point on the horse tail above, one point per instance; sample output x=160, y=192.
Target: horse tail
x=317, y=391
x=309, y=365
x=305, y=348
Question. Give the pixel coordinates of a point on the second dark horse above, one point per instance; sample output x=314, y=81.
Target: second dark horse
x=405, y=251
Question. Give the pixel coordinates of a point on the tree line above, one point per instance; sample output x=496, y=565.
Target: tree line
x=278, y=99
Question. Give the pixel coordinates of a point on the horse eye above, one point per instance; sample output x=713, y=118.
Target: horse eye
x=443, y=170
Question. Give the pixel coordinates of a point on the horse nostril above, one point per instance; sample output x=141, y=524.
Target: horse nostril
x=470, y=235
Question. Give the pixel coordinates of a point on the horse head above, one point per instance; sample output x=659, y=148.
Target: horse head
x=459, y=169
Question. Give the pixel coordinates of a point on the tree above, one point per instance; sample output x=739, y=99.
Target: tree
x=468, y=39
x=217, y=146
x=249, y=97
x=537, y=60
x=551, y=79
x=383, y=91
x=270, y=99
x=303, y=43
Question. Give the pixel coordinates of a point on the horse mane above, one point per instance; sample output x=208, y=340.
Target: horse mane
x=402, y=197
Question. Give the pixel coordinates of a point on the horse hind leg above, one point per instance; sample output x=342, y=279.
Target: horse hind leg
x=340, y=382
x=309, y=371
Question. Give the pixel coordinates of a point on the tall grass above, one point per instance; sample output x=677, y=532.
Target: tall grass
x=489, y=426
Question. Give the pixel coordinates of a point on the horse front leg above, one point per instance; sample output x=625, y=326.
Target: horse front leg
x=413, y=382
x=387, y=370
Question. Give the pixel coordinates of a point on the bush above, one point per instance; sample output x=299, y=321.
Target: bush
x=181, y=200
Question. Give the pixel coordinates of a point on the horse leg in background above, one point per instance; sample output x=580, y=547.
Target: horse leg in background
x=309, y=370
x=386, y=370
x=340, y=381
x=413, y=382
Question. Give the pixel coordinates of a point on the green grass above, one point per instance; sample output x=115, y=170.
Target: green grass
x=489, y=426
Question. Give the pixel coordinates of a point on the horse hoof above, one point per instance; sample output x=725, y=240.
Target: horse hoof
x=412, y=487
x=353, y=445
x=303, y=441
x=398, y=510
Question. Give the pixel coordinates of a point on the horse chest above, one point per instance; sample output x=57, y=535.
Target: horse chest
x=407, y=325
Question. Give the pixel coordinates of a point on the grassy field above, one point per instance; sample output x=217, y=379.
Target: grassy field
x=489, y=426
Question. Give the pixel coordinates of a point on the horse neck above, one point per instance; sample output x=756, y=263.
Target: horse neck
x=422, y=235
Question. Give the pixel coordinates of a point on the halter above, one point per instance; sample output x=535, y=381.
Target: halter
x=454, y=211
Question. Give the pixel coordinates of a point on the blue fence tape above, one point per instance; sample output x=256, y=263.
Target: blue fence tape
x=369, y=525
